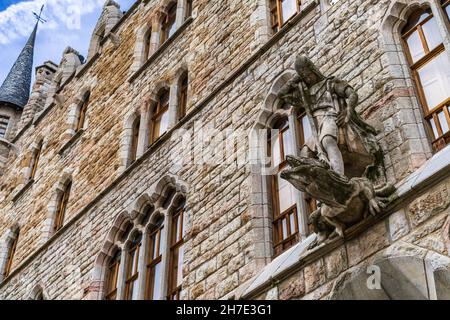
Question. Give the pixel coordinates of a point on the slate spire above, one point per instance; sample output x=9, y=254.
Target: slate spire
x=15, y=90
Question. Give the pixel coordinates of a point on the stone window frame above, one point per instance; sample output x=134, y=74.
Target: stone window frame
x=143, y=52
x=36, y=152
x=60, y=187
x=261, y=211
x=157, y=108
x=73, y=117
x=396, y=63
x=129, y=153
x=10, y=239
x=135, y=219
x=38, y=293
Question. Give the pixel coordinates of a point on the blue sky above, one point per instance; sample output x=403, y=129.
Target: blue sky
x=70, y=23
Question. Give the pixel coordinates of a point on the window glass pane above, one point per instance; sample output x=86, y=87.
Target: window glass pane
x=434, y=128
x=161, y=242
x=431, y=31
x=287, y=143
x=172, y=29
x=443, y=121
x=276, y=156
x=289, y=8
x=435, y=79
x=306, y=126
x=134, y=291
x=286, y=194
x=3, y=125
x=292, y=222
x=447, y=9
x=285, y=233
x=156, y=287
x=415, y=46
x=164, y=123
x=180, y=266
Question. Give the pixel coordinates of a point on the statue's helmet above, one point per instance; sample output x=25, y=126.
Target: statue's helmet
x=307, y=70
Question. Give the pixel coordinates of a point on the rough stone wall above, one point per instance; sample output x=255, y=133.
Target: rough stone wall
x=220, y=250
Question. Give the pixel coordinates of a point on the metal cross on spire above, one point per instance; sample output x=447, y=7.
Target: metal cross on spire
x=38, y=16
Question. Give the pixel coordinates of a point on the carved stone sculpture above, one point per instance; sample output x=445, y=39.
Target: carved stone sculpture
x=342, y=166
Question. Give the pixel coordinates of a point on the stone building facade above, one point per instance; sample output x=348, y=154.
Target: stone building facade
x=162, y=128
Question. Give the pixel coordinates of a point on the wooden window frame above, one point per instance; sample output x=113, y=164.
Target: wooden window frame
x=4, y=120
x=159, y=110
x=443, y=139
x=35, y=161
x=444, y=5
x=176, y=243
x=153, y=262
x=276, y=14
x=183, y=96
x=62, y=208
x=168, y=22
x=83, y=111
x=113, y=276
x=279, y=244
x=132, y=276
x=10, y=256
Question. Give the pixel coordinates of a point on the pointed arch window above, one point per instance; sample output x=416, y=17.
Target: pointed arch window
x=62, y=208
x=160, y=116
x=430, y=66
x=154, y=260
x=4, y=121
x=281, y=11
x=183, y=96
x=176, y=253
x=135, y=139
x=132, y=270
x=169, y=25
x=284, y=205
x=147, y=44
x=82, y=114
x=11, y=252
x=113, y=276
x=35, y=160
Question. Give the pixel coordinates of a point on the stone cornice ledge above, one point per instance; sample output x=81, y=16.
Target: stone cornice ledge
x=435, y=170
x=71, y=141
x=22, y=190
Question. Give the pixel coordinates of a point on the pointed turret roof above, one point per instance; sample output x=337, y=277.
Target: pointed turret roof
x=15, y=90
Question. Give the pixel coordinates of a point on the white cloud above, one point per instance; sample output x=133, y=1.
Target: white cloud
x=15, y=21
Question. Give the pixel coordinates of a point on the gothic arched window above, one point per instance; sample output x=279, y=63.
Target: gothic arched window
x=189, y=7
x=82, y=113
x=154, y=260
x=10, y=254
x=176, y=253
x=183, y=95
x=132, y=268
x=281, y=11
x=169, y=25
x=147, y=44
x=430, y=66
x=160, y=116
x=35, y=160
x=113, y=276
x=284, y=204
x=134, y=139
x=62, y=207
